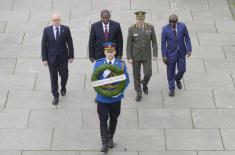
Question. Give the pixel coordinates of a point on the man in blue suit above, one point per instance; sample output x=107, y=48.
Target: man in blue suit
x=175, y=45
x=109, y=107
x=57, y=51
x=103, y=31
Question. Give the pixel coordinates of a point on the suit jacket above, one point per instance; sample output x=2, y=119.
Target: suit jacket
x=97, y=38
x=51, y=48
x=173, y=47
x=140, y=41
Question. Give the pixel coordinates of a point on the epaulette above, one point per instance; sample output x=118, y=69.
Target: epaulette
x=134, y=25
x=99, y=59
x=147, y=24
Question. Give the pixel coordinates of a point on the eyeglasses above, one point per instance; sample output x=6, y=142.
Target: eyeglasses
x=172, y=21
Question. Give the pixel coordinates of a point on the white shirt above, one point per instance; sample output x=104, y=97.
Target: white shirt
x=112, y=61
x=105, y=26
x=54, y=30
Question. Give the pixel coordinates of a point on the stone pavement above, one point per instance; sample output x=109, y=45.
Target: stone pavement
x=199, y=120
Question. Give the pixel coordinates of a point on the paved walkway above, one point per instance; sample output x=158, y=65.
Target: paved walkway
x=199, y=120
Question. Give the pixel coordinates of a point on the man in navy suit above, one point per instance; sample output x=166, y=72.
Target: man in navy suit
x=103, y=31
x=175, y=45
x=57, y=51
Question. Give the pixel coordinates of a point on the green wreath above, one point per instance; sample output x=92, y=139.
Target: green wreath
x=108, y=90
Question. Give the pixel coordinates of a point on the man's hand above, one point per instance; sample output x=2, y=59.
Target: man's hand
x=70, y=60
x=188, y=54
x=165, y=60
x=92, y=60
x=45, y=63
x=130, y=61
x=154, y=58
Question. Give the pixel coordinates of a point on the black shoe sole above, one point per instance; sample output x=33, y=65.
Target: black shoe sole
x=55, y=102
x=63, y=94
x=171, y=95
x=145, y=92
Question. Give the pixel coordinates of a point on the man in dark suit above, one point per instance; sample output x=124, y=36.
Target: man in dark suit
x=175, y=45
x=57, y=51
x=103, y=31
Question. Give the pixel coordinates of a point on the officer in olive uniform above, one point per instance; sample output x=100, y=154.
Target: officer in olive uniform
x=140, y=38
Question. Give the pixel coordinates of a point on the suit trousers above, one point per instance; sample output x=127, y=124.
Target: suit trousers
x=171, y=71
x=58, y=67
x=147, y=68
x=111, y=112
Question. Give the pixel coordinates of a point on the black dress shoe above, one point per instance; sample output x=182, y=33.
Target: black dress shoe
x=171, y=93
x=111, y=143
x=55, y=101
x=145, y=89
x=138, y=97
x=63, y=92
x=104, y=148
x=179, y=84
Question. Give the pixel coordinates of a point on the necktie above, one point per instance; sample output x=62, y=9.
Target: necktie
x=110, y=62
x=106, y=32
x=57, y=34
x=174, y=29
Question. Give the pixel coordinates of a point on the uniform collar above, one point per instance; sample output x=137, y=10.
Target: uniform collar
x=112, y=61
x=143, y=26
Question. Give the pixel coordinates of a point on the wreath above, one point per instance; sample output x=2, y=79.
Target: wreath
x=108, y=90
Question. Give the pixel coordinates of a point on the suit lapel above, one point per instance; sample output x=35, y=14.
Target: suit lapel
x=178, y=30
x=172, y=31
x=61, y=31
x=101, y=29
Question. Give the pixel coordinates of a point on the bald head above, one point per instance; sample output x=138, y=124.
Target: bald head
x=105, y=16
x=173, y=19
x=55, y=18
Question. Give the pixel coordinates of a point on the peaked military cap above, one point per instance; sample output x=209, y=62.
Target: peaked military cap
x=109, y=46
x=140, y=15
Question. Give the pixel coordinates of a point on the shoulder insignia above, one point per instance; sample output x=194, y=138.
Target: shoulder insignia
x=132, y=26
x=148, y=24
x=98, y=60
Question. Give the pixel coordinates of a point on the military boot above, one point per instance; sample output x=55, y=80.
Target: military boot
x=112, y=129
x=138, y=97
x=104, y=139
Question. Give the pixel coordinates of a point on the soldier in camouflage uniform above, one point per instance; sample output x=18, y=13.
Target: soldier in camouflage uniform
x=141, y=36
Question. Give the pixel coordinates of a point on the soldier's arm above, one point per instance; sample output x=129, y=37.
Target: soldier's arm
x=187, y=40
x=129, y=44
x=154, y=43
x=127, y=76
